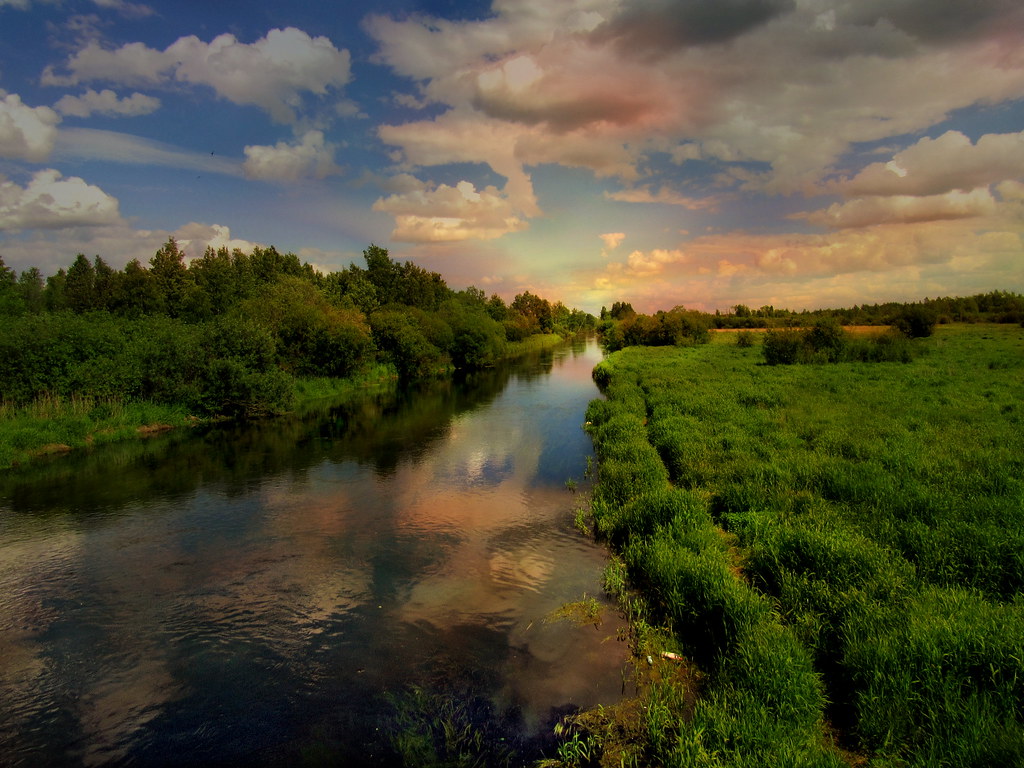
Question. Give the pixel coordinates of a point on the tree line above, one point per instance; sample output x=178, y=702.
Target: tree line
x=228, y=333
x=991, y=307
x=809, y=335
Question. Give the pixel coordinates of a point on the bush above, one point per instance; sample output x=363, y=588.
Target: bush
x=782, y=347
x=916, y=321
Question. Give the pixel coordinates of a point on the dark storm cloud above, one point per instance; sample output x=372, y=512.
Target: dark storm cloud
x=939, y=20
x=653, y=28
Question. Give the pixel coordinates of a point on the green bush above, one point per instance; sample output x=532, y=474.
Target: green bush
x=916, y=321
x=782, y=346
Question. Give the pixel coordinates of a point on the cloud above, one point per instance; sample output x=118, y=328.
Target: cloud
x=648, y=27
x=445, y=213
x=311, y=157
x=117, y=242
x=26, y=133
x=653, y=262
x=955, y=20
x=937, y=257
x=271, y=73
x=112, y=146
x=906, y=209
x=52, y=202
x=126, y=9
x=194, y=238
x=106, y=102
x=456, y=137
x=813, y=79
x=944, y=164
x=612, y=240
x=664, y=196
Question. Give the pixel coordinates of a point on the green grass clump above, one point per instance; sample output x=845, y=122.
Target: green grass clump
x=839, y=548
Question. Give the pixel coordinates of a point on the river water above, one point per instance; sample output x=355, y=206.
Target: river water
x=310, y=590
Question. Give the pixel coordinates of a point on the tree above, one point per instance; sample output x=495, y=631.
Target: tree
x=137, y=293
x=621, y=310
x=167, y=268
x=53, y=294
x=105, y=283
x=10, y=297
x=80, y=285
x=536, y=310
x=916, y=321
x=30, y=286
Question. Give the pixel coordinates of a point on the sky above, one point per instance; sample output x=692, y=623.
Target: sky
x=698, y=153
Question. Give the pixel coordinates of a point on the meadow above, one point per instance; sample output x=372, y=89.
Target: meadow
x=823, y=564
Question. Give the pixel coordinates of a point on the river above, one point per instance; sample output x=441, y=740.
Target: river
x=312, y=590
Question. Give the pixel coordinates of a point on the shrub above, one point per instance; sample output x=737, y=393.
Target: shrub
x=916, y=321
x=782, y=347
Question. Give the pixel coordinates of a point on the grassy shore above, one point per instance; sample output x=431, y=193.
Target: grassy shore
x=832, y=555
x=52, y=425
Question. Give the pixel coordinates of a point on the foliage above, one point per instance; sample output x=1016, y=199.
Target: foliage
x=827, y=342
x=229, y=333
x=622, y=327
x=916, y=321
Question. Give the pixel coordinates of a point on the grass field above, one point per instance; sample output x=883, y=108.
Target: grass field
x=836, y=549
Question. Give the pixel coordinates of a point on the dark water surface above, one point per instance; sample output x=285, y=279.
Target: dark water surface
x=273, y=594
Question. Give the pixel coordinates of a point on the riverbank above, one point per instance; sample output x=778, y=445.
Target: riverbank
x=54, y=426
x=818, y=561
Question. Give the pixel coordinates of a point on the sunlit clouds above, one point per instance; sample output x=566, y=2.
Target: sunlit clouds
x=669, y=152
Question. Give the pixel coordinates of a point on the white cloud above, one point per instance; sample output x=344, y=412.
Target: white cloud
x=271, y=73
x=877, y=262
x=946, y=163
x=52, y=202
x=654, y=261
x=117, y=242
x=26, y=133
x=106, y=102
x=906, y=209
x=194, y=238
x=112, y=146
x=310, y=157
x=445, y=213
x=811, y=80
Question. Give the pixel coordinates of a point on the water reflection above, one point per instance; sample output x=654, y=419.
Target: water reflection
x=243, y=593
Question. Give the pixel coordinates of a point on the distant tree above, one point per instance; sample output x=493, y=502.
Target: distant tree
x=137, y=293
x=80, y=285
x=53, y=294
x=497, y=308
x=105, y=283
x=167, y=268
x=621, y=310
x=916, y=321
x=352, y=288
x=10, y=297
x=536, y=310
x=30, y=286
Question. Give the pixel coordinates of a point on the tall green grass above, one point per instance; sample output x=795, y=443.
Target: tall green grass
x=54, y=425
x=840, y=548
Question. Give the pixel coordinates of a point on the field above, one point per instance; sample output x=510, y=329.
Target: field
x=837, y=551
